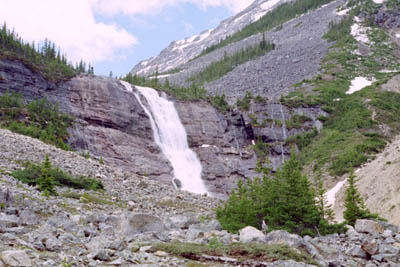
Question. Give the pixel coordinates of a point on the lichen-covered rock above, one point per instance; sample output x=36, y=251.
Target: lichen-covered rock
x=284, y=238
x=250, y=234
x=368, y=227
x=15, y=258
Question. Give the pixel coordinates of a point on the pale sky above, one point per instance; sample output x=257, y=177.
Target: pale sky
x=114, y=35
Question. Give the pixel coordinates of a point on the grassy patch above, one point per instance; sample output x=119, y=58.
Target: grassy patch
x=254, y=251
x=89, y=198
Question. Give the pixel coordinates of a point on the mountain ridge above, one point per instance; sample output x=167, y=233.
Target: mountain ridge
x=181, y=51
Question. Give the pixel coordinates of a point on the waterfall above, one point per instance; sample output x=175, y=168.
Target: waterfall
x=170, y=135
x=283, y=132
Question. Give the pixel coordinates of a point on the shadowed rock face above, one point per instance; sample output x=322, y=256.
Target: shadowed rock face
x=110, y=123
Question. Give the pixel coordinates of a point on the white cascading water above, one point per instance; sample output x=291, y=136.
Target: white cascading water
x=170, y=135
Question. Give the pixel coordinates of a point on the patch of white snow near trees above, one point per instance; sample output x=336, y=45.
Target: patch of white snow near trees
x=388, y=71
x=359, y=32
x=267, y=6
x=379, y=1
x=331, y=194
x=358, y=84
x=398, y=35
x=343, y=12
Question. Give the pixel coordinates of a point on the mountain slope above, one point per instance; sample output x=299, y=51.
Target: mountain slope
x=180, y=52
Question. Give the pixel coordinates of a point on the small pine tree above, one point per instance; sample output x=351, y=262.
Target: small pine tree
x=324, y=209
x=46, y=182
x=354, y=203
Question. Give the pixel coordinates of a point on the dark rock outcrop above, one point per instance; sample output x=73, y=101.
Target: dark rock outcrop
x=110, y=122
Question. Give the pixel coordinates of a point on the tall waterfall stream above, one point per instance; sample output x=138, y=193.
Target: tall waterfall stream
x=170, y=135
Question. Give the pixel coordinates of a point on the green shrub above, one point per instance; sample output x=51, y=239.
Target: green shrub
x=244, y=104
x=32, y=172
x=219, y=102
x=297, y=121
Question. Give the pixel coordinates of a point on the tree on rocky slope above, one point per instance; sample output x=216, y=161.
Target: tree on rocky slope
x=286, y=202
x=46, y=182
x=354, y=203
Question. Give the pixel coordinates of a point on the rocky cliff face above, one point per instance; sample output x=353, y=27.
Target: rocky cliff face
x=111, y=124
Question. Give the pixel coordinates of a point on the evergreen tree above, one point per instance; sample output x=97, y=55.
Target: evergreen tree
x=354, y=203
x=46, y=182
x=296, y=209
x=325, y=211
x=285, y=202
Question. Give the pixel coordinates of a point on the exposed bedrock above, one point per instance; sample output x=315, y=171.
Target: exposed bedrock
x=110, y=123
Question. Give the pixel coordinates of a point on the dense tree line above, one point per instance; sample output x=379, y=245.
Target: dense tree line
x=289, y=202
x=193, y=92
x=219, y=68
x=45, y=58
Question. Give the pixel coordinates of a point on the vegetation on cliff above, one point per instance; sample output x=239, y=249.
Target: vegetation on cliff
x=44, y=59
x=221, y=67
x=38, y=119
x=352, y=132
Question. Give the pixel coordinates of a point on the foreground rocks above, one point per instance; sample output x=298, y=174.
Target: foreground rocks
x=119, y=227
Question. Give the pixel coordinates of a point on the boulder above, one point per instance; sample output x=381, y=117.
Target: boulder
x=181, y=221
x=370, y=246
x=29, y=217
x=251, y=234
x=284, y=237
x=17, y=258
x=9, y=220
x=369, y=227
x=356, y=251
x=132, y=224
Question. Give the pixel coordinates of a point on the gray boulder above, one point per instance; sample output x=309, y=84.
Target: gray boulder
x=368, y=227
x=181, y=221
x=251, y=234
x=17, y=258
x=356, y=251
x=29, y=217
x=132, y=224
x=370, y=246
x=9, y=220
x=283, y=237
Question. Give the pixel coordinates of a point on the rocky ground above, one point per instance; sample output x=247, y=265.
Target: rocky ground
x=122, y=225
